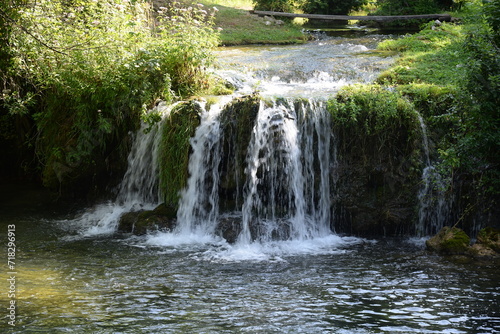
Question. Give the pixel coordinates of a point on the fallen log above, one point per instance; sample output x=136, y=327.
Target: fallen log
x=440, y=17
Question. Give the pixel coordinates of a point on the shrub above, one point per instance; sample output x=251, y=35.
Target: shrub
x=332, y=7
x=478, y=143
x=286, y=6
x=94, y=67
x=404, y=7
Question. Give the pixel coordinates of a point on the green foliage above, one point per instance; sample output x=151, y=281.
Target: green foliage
x=492, y=13
x=93, y=66
x=414, y=7
x=463, y=62
x=371, y=108
x=332, y=7
x=175, y=147
x=371, y=118
x=478, y=144
x=403, y=7
x=287, y=6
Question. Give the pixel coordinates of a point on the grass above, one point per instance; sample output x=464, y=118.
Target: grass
x=433, y=56
x=239, y=27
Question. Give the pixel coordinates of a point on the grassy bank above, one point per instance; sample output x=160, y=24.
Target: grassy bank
x=239, y=27
x=450, y=72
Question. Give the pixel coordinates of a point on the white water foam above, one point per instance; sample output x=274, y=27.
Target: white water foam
x=215, y=249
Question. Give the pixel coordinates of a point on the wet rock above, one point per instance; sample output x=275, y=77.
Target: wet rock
x=487, y=244
x=162, y=217
x=482, y=251
x=489, y=237
x=229, y=228
x=450, y=240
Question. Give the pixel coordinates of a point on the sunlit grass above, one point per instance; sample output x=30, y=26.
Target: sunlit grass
x=239, y=27
x=432, y=56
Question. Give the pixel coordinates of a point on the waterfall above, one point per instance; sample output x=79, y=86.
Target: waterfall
x=434, y=206
x=199, y=203
x=286, y=191
x=274, y=201
x=139, y=188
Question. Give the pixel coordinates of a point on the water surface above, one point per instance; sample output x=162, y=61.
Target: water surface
x=125, y=284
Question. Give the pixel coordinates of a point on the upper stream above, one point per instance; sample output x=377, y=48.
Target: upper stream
x=316, y=69
x=287, y=272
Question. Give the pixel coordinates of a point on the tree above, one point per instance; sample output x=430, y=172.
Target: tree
x=478, y=146
x=92, y=68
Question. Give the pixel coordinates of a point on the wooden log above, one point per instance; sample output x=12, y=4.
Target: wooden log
x=440, y=17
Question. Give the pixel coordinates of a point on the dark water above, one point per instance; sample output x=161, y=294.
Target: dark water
x=67, y=283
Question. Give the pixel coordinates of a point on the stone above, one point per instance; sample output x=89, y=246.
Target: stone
x=449, y=240
x=162, y=217
x=229, y=228
x=490, y=238
x=482, y=251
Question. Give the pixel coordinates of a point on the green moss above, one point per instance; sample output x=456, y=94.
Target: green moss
x=449, y=240
x=379, y=124
x=372, y=110
x=456, y=242
x=379, y=149
x=175, y=148
x=237, y=120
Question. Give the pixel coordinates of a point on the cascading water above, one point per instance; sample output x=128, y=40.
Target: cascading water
x=199, y=204
x=280, y=194
x=139, y=188
x=434, y=206
x=286, y=187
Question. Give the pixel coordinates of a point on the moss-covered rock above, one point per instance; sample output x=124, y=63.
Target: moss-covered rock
x=162, y=217
x=378, y=142
x=489, y=237
x=175, y=148
x=450, y=240
x=487, y=244
x=237, y=121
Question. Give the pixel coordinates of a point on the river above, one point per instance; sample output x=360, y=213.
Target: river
x=71, y=273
